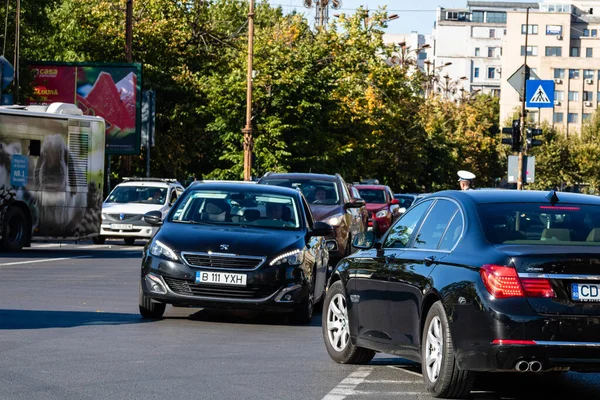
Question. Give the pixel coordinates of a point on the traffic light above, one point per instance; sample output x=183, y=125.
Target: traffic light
x=515, y=135
x=531, y=140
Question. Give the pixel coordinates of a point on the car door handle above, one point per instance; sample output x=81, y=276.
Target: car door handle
x=429, y=260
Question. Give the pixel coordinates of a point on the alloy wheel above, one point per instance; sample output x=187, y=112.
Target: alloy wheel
x=337, y=323
x=434, y=349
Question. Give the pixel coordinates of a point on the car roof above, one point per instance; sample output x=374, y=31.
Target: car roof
x=373, y=187
x=300, y=175
x=518, y=196
x=270, y=189
x=156, y=184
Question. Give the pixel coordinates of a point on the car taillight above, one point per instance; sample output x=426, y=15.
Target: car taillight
x=537, y=287
x=503, y=282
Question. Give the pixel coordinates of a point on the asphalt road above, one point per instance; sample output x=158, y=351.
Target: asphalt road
x=70, y=329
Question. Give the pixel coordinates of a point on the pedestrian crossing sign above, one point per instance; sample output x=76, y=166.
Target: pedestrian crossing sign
x=540, y=93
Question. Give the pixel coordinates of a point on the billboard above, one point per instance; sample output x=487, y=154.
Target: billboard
x=111, y=91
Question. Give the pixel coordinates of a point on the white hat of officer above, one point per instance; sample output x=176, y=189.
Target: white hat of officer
x=465, y=175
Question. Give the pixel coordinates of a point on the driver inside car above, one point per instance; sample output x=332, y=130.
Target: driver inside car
x=320, y=195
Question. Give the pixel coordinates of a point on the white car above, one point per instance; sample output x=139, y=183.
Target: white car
x=124, y=208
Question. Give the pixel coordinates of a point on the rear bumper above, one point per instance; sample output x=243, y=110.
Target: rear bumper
x=574, y=356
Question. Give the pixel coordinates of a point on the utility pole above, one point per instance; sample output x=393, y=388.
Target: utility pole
x=523, y=149
x=247, y=131
x=17, y=44
x=129, y=30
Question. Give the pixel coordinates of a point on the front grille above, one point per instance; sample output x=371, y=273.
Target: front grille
x=229, y=262
x=126, y=217
x=189, y=288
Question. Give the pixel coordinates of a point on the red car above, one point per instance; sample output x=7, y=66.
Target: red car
x=383, y=208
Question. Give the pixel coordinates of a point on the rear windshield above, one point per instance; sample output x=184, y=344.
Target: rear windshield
x=316, y=191
x=539, y=223
x=376, y=196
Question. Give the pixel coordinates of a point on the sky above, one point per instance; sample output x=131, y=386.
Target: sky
x=416, y=15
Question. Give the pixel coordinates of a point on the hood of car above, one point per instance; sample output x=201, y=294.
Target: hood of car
x=129, y=208
x=322, y=212
x=229, y=239
x=374, y=207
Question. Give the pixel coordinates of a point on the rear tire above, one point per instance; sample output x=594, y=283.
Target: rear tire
x=129, y=241
x=441, y=374
x=15, y=231
x=336, y=329
x=99, y=239
x=150, y=309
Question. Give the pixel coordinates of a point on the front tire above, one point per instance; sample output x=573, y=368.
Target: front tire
x=15, y=230
x=150, y=309
x=336, y=329
x=441, y=374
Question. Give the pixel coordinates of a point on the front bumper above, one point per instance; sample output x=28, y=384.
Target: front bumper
x=268, y=288
x=137, y=231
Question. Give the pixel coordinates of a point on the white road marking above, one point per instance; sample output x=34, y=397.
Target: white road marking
x=346, y=387
x=373, y=393
x=405, y=370
x=384, y=381
x=41, y=261
x=43, y=245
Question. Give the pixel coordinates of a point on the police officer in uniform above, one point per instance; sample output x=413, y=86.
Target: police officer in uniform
x=465, y=179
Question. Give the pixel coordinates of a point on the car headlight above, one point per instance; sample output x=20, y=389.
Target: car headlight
x=159, y=249
x=335, y=221
x=294, y=257
x=382, y=214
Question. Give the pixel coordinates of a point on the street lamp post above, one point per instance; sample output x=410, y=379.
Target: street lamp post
x=405, y=53
x=247, y=131
x=431, y=75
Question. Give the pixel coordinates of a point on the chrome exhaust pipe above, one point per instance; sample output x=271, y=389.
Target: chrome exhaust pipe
x=535, y=366
x=522, y=366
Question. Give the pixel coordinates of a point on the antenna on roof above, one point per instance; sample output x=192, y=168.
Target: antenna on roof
x=552, y=197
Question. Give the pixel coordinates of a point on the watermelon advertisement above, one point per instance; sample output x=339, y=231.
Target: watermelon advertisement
x=111, y=91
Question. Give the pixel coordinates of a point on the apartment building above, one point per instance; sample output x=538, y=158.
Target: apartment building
x=563, y=45
x=468, y=46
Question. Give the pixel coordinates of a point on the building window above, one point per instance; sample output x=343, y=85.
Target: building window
x=533, y=29
x=496, y=17
x=554, y=30
x=491, y=51
x=573, y=118
x=452, y=15
x=559, y=73
x=594, y=32
x=573, y=96
x=495, y=92
x=585, y=116
x=586, y=32
x=559, y=95
x=588, y=96
x=492, y=33
x=574, y=74
x=505, y=32
x=477, y=53
x=589, y=52
x=477, y=16
x=476, y=72
x=574, y=51
x=491, y=73
x=558, y=117
x=588, y=74
x=531, y=50
x=553, y=51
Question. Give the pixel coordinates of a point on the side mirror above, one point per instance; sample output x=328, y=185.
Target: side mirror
x=321, y=229
x=402, y=210
x=364, y=240
x=153, y=217
x=395, y=201
x=356, y=203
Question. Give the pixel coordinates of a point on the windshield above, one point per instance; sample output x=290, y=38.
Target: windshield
x=541, y=223
x=315, y=191
x=138, y=194
x=405, y=201
x=235, y=207
x=373, y=195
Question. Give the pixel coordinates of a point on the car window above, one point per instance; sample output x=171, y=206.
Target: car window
x=138, y=194
x=452, y=233
x=541, y=223
x=399, y=234
x=308, y=213
x=314, y=190
x=435, y=225
x=376, y=196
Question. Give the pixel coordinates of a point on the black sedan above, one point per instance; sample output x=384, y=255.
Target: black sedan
x=470, y=281
x=234, y=245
